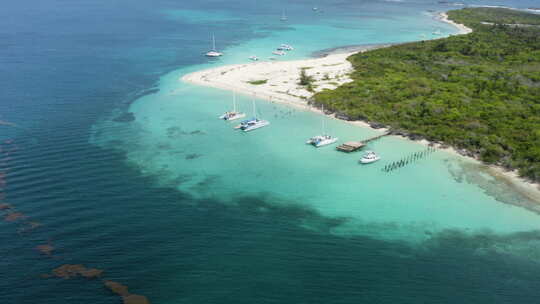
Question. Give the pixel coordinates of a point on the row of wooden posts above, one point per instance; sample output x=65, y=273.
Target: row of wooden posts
x=409, y=159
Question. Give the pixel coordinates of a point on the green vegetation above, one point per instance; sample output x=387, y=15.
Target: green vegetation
x=258, y=82
x=306, y=80
x=479, y=92
x=493, y=15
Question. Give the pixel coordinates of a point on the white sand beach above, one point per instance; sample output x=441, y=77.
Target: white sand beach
x=277, y=80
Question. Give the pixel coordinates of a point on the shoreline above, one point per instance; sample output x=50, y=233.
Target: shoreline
x=330, y=70
x=463, y=30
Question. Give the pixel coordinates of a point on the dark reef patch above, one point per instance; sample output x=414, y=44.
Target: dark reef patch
x=29, y=226
x=498, y=187
x=14, y=216
x=125, y=117
x=68, y=271
x=46, y=249
x=140, y=95
x=164, y=146
x=5, y=206
x=117, y=288
x=197, y=132
x=175, y=132
x=122, y=290
x=193, y=156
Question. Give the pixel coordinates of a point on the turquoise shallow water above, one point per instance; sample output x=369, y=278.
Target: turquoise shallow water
x=177, y=138
x=182, y=209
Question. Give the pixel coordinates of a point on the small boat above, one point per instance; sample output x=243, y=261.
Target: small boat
x=369, y=157
x=315, y=8
x=285, y=47
x=232, y=115
x=279, y=53
x=322, y=140
x=213, y=52
x=437, y=32
x=253, y=58
x=253, y=123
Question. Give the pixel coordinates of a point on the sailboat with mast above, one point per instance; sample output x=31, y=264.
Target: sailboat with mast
x=234, y=114
x=324, y=139
x=254, y=123
x=213, y=52
x=283, y=16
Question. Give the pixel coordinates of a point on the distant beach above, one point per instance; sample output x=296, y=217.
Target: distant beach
x=443, y=17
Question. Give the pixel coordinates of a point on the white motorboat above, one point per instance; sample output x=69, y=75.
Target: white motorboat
x=213, y=52
x=254, y=58
x=324, y=139
x=232, y=115
x=279, y=53
x=369, y=157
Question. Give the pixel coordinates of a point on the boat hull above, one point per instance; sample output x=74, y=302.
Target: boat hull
x=369, y=161
x=234, y=117
x=321, y=142
x=256, y=126
x=213, y=54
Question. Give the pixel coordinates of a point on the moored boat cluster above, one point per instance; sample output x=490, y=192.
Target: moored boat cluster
x=317, y=141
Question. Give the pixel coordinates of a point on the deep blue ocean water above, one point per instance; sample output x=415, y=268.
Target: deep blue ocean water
x=66, y=65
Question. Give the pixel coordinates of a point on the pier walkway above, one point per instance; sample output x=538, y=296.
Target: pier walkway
x=352, y=146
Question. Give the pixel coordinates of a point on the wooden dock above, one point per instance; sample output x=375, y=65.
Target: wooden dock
x=352, y=146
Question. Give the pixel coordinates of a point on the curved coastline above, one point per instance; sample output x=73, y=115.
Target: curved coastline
x=330, y=69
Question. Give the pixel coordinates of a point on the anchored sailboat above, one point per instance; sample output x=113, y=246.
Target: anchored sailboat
x=213, y=52
x=283, y=16
x=232, y=115
x=324, y=139
x=254, y=123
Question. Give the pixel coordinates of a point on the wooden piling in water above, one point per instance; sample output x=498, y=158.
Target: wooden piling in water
x=408, y=159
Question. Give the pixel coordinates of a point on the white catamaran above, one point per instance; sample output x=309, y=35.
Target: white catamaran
x=213, y=52
x=252, y=124
x=324, y=139
x=232, y=115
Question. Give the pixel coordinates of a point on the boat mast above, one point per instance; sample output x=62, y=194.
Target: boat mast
x=323, y=131
x=213, y=42
x=254, y=109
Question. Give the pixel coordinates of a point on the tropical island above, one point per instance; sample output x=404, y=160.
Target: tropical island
x=478, y=91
